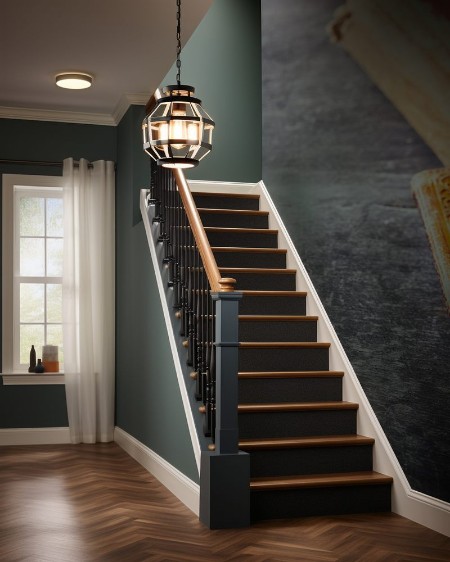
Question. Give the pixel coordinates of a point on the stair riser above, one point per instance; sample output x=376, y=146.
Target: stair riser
x=234, y=220
x=266, y=391
x=263, y=282
x=297, y=424
x=241, y=203
x=243, y=239
x=250, y=259
x=313, y=460
x=320, y=501
x=273, y=305
x=278, y=331
x=288, y=359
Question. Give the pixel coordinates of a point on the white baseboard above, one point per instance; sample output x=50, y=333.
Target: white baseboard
x=34, y=436
x=180, y=485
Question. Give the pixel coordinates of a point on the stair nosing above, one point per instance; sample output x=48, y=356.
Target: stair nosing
x=295, y=407
x=339, y=479
x=305, y=442
x=283, y=344
x=236, y=212
x=254, y=293
x=276, y=318
x=259, y=270
x=238, y=249
x=238, y=229
x=289, y=374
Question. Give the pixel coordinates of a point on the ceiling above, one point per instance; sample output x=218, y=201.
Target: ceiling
x=127, y=45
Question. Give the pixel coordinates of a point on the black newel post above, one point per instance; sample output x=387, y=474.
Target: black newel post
x=225, y=472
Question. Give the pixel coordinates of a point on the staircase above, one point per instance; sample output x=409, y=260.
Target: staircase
x=306, y=457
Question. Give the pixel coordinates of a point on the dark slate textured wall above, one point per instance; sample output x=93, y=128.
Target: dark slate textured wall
x=45, y=406
x=338, y=159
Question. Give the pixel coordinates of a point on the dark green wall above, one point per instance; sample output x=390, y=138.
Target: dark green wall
x=148, y=400
x=338, y=161
x=45, y=406
x=222, y=60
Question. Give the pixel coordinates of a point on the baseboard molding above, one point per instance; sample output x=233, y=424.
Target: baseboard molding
x=180, y=485
x=35, y=436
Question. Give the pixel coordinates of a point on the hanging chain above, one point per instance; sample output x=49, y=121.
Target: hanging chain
x=178, y=41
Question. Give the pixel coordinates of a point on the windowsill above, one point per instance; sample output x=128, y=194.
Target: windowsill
x=16, y=379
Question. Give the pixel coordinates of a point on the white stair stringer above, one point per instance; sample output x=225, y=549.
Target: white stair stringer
x=421, y=508
x=151, y=231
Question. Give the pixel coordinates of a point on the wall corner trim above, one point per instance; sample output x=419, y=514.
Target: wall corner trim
x=34, y=436
x=175, y=481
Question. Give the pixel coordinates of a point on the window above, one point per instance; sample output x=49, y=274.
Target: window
x=32, y=268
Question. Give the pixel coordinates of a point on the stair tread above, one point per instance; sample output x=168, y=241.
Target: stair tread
x=219, y=194
x=276, y=318
x=239, y=229
x=233, y=211
x=320, y=480
x=296, y=406
x=252, y=250
x=258, y=270
x=288, y=374
x=304, y=442
x=282, y=344
x=251, y=293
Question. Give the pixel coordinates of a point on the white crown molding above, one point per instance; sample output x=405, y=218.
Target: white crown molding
x=76, y=116
x=124, y=103
x=58, y=116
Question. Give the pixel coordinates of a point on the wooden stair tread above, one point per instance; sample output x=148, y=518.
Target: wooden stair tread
x=305, y=442
x=296, y=407
x=282, y=344
x=288, y=374
x=233, y=212
x=258, y=270
x=219, y=194
x=237, y=249
x=276, y=318
x=320, y=480
x=250, y=293
x=243, y=230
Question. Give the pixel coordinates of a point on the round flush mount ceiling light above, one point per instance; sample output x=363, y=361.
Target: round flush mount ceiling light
x=73, y=80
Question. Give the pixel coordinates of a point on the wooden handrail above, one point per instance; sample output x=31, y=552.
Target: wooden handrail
x=216, y=281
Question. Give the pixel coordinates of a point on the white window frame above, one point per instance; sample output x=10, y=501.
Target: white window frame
x=39, y=186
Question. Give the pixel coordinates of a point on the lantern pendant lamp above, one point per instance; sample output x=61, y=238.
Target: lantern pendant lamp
x=178, y=132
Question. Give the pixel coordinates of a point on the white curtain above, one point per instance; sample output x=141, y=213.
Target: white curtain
x=89, y=299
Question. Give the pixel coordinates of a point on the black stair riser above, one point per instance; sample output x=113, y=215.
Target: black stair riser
x=264, y=331
x=243, y=239
x=266, y=391
x=297, y=424
x=286, y=359
x=310, y=460
x=320, y=501
x=250, y=259
x=273, y=305
x=237, y=220
x=263, y=281
x=239, y=203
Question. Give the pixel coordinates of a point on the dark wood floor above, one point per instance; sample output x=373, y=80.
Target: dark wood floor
x=83, y=503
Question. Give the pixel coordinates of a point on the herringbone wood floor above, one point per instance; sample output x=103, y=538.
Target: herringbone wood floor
x=86, y=503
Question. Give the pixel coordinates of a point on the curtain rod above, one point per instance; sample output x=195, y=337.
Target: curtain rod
x=38, y=163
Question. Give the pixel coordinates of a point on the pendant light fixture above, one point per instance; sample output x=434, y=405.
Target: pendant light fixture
x=178, y=132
